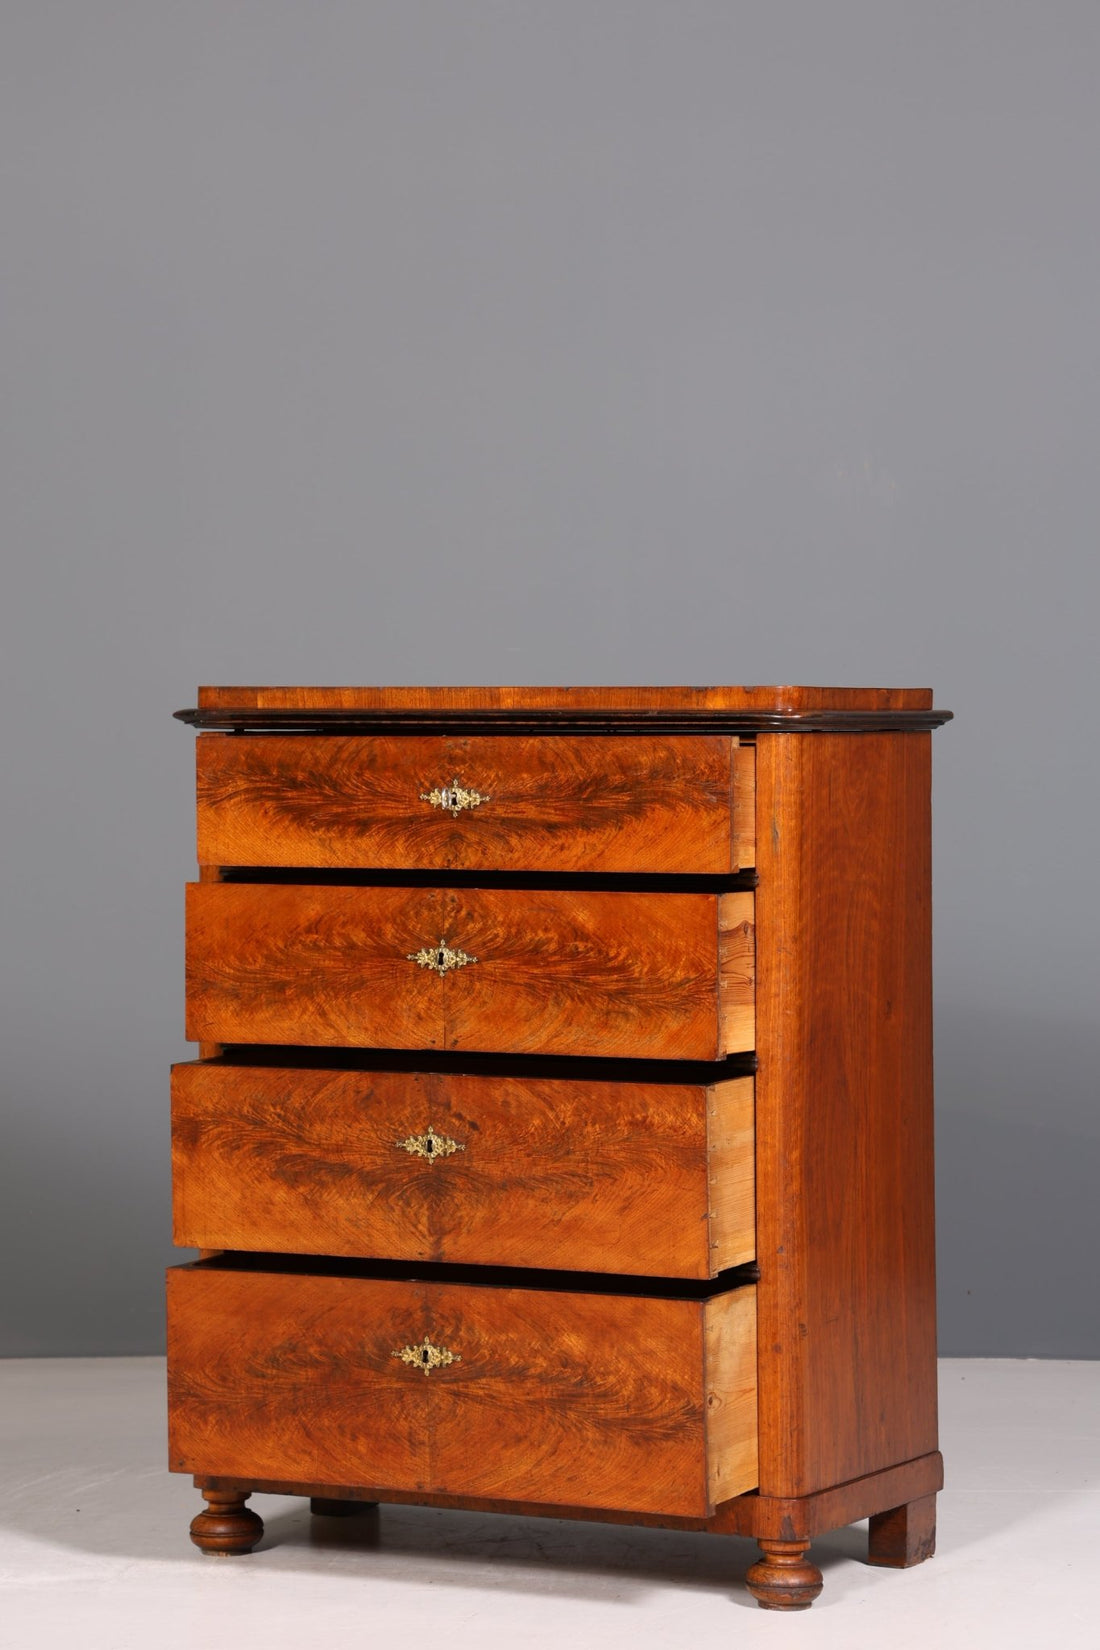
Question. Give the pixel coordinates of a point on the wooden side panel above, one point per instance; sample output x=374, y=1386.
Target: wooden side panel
x=270, y=1374
x=736, y=972
x=594, y=1399
x=596, y=973
x=556, y=803
x=730, y=1381
x=269, y=963
x=731, y=1171
x=744, y=808
x=581, y=1176
x=844, y=1108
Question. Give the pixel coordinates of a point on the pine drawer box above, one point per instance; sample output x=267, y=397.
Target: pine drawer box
x=560, y=1139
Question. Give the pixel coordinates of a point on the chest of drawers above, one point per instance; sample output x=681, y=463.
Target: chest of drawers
x=560, y=1139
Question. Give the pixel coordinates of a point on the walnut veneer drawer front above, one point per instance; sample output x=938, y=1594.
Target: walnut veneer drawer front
x=649, y=1178
x=671, y=804
x=654, y=975
x=632, y=1401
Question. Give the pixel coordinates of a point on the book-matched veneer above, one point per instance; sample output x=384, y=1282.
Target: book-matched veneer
x=638, y=1226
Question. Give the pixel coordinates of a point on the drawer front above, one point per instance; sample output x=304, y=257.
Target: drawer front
x=643, y=1178
x=662, y=976
x=675, y=804
x=633, y=1402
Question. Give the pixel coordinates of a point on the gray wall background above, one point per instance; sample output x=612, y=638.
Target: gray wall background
x=582, y=341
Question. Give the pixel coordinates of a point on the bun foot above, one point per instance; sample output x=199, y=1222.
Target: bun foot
x=227, y=1527
x=784, y=1579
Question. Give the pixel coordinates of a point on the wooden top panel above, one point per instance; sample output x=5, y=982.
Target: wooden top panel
x=454, y=699
x=737, y=710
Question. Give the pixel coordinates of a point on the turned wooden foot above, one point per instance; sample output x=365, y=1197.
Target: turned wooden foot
x=784, y=1579
x=903, y=1536
x=323, y=1507
x=227, y=1526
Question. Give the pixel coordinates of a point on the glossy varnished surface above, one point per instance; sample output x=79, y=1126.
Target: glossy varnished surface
x=585, y=1176
x=595, y=1400
x=582, y=890
x=657, y=804
x=726, y=710
x=297, y=964
x=844, y=1108
x=664, y=976
x=564, y=699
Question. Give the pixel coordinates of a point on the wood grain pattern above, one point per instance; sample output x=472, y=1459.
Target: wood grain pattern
x=779, y=1518
x=578, y=1397
x=210, y=873
x=581, y=1176
x=561, y=971
x=729, y=1351
x=608, y=973
x=271, y=1374
x=744, y=807
x=844, y=1108
x=296, y=964
x=226, y=1527
x=582, y=1397
x=591, y=804
x=716, y=698
x=800, y=1518
x=731, y=1173
x=784, y=1577
x=736, y=972
x=589, y=1399
x=900, y=1537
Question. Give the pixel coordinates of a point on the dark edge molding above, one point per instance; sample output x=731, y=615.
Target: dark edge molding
x=557, y=721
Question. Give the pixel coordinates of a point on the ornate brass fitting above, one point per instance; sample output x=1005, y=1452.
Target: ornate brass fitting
x=440, y=958
x=454, y=797
x=430, y=1145
x=426, y=1357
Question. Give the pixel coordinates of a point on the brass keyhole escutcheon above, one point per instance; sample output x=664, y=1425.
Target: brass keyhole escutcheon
x=453, y=798
x=430, y=1145
x=441, y=958
x=427, y=1357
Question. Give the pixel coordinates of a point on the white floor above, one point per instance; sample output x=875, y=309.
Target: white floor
x=94, y=1548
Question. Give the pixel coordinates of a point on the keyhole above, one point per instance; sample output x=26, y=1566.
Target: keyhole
x=440, y=957
x=430, y=1146
x=424, y=1356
